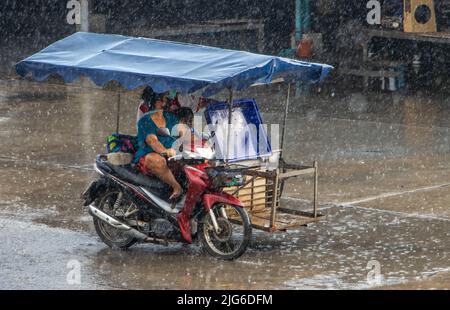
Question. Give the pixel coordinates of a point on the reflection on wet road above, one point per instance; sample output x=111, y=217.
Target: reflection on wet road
x=334, y=254
x=384, y=185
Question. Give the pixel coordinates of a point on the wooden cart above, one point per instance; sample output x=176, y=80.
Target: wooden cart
x=262, y=190
x=261, y=195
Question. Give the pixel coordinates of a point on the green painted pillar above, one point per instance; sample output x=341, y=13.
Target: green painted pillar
x=306, y=16
x=298, y=20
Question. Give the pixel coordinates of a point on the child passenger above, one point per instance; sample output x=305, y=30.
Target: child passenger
x=188, y=136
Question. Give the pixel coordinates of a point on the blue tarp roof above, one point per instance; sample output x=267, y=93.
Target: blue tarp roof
x=164, y=65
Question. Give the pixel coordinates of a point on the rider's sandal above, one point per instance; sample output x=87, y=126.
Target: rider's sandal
x=175, y=200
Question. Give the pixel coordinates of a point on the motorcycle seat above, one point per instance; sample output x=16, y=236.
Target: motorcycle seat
x=130, y=175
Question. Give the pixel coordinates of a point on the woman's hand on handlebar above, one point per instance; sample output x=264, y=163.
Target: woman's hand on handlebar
x=170, y=153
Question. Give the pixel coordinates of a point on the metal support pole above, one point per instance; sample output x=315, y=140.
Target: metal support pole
x=286, y=111
x=365, y=50
x=302, y=24
x=316, y=183
x=84, y=14
x=281, y=162
x=230, y=114
x=118, y=113
x=261, y=42
x=252, y=193
x=306, y=16
x=273, y=211
x=298, y=20
x=298, y=35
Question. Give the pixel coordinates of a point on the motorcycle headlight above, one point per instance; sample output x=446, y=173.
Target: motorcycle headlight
x=221, y=178
x=237, y=180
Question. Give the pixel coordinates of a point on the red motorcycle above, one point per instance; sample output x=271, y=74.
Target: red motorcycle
x=129, y=207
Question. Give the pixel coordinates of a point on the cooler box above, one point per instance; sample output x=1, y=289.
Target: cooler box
x=248, y=140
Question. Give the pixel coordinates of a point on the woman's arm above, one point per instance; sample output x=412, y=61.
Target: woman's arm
x=154, y=143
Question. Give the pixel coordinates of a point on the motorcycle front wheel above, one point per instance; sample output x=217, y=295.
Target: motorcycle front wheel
x=234, y=235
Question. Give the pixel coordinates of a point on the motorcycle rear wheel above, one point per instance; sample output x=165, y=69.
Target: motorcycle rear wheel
x=234, y=236
x=112, y=237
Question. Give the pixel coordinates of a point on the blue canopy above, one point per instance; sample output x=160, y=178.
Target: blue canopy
x=164, y=65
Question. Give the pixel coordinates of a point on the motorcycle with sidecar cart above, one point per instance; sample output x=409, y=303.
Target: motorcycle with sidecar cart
x=128, y=207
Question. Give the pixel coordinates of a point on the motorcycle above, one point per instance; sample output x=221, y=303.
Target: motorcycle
x=128, y=207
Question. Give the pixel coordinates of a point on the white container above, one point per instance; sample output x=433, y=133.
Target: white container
x=119, y=158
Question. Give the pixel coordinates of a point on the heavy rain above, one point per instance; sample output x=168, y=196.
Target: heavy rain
x=366, y=208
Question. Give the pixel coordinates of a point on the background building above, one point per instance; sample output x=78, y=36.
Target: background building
x=338, y=29
x=255, y=25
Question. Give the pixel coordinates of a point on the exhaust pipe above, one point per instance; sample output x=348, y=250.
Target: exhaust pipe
x=94, y=211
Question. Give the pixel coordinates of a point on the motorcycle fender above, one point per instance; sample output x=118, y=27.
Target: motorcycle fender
x=209, y=200
x=93, y=191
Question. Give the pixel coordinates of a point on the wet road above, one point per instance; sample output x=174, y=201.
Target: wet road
x=384, y=186
x=335, y=254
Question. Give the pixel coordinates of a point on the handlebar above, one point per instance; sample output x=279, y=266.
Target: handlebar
x=176, y=157
x=166, y=157
x=196, y=155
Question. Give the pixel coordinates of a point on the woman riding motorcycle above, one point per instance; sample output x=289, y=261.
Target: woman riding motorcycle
x=149, y=157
